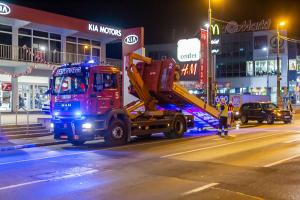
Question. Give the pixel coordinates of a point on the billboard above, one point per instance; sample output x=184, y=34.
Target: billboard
x=192, y=56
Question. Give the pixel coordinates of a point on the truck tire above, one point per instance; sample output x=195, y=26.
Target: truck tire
x=244, y=119
x=178, y=129
x=77, y=142
x=116, y=133
x=270, y=119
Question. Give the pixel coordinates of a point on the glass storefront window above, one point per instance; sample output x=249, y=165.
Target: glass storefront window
x=261, y=68
x=5, y=38
x=249, y=66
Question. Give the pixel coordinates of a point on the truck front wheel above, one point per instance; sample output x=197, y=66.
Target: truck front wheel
x=116, y=133
x=178, y=129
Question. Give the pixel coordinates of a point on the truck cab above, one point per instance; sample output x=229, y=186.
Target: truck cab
x=80, y=95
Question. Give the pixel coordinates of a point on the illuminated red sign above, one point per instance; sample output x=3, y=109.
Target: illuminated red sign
x=203, y=60
x=6, y=87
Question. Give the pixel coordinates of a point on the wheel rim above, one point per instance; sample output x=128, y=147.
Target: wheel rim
x=117, y=132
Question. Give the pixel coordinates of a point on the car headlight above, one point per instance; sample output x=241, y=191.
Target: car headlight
x=87, y=126
x=237, y=113
x=278, y=114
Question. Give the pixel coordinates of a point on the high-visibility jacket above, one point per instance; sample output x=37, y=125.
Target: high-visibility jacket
x=224, y=110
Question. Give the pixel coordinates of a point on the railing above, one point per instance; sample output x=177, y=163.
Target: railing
x=24, y=54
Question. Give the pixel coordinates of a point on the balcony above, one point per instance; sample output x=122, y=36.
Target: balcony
x=24, y=54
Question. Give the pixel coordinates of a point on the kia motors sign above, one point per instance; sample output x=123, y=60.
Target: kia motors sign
x=188, y=50
x=6, y=86
x=4, y=9
x=131, y=39
x=105, y=30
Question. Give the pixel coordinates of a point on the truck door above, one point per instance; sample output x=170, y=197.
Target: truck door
x=105, y=93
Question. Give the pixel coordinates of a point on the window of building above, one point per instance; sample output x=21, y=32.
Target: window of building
x=83, y=41
x=5, y=38
x=96, y=43
x=71, y=39
x=24, y=31
x=24, y=41
x=40, y=34
x=55, y=36
x=260, y=42
x=249, y=66
x=5, y=28
x=243, y=69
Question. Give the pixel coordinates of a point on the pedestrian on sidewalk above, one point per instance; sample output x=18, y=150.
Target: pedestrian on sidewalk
x=223, y=117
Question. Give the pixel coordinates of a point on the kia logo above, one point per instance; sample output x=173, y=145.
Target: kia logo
x=131, y=39
x=4, y=9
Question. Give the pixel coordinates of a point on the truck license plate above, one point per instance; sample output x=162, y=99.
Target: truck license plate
x=286, y=117
x=64, y=137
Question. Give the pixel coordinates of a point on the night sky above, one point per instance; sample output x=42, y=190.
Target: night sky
x=163, y=18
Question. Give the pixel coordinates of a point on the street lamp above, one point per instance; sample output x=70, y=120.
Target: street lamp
x=279, y=100
x=209, y=67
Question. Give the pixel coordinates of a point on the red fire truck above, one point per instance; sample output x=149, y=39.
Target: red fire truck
x=86, y=102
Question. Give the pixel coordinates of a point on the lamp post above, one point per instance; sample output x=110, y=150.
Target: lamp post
x=210, y=91
x=279, y=99
x=266, y=49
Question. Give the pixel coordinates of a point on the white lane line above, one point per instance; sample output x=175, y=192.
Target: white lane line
x=216, y=146
x=47, y=180
x=281, y=161
x=199, y=189
x=104, y=149
x=292, y=141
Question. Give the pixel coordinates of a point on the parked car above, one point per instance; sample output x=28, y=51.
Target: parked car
x=263, y=111
x=46, y=107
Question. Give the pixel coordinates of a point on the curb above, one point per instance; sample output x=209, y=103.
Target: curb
x=26, y=146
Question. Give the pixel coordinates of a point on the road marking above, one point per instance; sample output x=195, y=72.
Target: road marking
x=292, y=141
x=104, y=149
x=216, y=146
x=51, y=179
x=281, y=161
x=200, y=189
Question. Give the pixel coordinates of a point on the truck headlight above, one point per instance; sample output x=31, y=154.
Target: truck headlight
x=87, y=126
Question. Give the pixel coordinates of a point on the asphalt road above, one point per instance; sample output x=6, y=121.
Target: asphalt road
x=260, y=162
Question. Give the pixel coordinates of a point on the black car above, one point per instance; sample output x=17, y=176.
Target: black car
x=262, y=111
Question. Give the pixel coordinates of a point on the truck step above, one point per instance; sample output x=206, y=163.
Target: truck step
x=23, y=132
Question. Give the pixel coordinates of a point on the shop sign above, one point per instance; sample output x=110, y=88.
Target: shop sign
x=215, y=29
x=247, y=26
x=6, y=86
x=188, y=50
x=4, y=9
x=131, y=39
x=105, y=30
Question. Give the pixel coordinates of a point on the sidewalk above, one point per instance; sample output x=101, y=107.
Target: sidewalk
x=6, y=145
x=10, y=118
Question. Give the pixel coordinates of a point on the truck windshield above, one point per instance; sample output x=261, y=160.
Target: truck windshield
x=69, y=85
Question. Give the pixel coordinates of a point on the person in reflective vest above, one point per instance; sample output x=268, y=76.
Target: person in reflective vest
x=223, y=117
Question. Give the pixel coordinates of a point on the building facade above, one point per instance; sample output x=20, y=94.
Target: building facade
x=34, y=42
x=245, y=60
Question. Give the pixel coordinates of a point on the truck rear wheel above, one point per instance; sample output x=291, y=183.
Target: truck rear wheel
x=178, y=129
x=116, y=133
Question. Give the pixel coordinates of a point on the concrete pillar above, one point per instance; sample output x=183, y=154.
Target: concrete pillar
x=15, y=44
x=103, y=53
x=15, y=94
